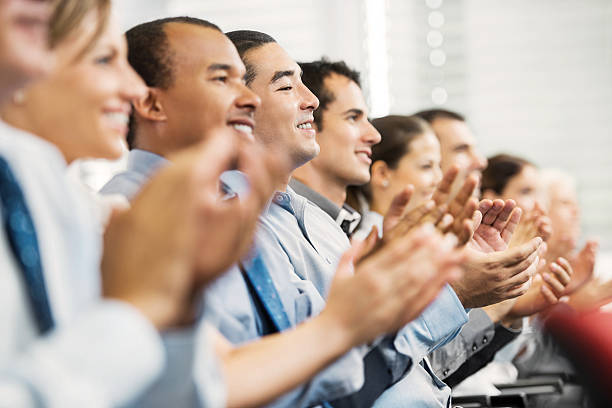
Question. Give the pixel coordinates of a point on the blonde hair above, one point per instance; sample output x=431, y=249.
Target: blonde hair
x=68, y=15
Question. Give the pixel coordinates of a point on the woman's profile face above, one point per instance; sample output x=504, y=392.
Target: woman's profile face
x=84, y=105
x=524, y=188
x=419, y=167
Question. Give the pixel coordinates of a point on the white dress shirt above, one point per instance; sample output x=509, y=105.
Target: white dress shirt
x=101, y=353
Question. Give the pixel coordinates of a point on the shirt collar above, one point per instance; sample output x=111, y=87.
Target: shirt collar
x=145, y=162
x=346, y=217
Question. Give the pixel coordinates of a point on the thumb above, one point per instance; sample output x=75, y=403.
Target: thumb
x=346, y=266
x=400, y=201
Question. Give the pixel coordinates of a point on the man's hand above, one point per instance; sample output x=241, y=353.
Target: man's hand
x=457, y=215
x=462, y=207
x=152, y=252
x=534, y=224
x=499, y=220
x=227, y=226
x=391, y=286
x=496, y=276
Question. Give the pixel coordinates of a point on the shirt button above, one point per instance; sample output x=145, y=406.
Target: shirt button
x=474, y=347
x=484, y=340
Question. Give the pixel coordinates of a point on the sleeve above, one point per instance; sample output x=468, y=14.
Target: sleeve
x=107, y=357
x=192, y=378
x=484, y=356
x=436, y=326
x=475, y=335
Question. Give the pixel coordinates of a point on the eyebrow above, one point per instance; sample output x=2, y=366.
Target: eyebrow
x=355, y=111
x=280, y=74
x=219, y=67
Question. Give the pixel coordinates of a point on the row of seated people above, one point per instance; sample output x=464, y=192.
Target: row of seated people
x=218, y=268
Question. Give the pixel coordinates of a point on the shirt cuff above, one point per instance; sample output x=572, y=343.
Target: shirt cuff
x=438, y=323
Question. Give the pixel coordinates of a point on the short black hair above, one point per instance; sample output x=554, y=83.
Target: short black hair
x=432, y=114
x=150, y=55
x=313, y=76
x=245, y=41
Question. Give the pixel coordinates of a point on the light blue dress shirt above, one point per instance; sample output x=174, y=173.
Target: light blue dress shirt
x=314, y=244
x=230, y=308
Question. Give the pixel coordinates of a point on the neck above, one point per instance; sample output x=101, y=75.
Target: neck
x=155, y=139
x=330, y=188
x=380, y=202
x=18, y=117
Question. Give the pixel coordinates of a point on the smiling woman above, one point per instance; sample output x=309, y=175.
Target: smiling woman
x=83, y=106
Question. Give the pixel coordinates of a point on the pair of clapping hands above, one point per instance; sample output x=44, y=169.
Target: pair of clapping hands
x=500, y=254
x=180, y=233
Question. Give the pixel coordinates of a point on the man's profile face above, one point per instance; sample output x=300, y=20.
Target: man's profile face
x=458, y=147
x=208, y=91
x=24, y=35
x=346, y=136
x=285, y=119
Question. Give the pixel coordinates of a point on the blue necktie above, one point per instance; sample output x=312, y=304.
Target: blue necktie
x=260, y=279
x=21, y=235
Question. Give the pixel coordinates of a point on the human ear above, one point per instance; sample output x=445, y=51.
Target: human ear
x=150, y=107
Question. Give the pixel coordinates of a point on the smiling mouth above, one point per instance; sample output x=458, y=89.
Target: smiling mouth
x=307, y=125
x=118, y=120
x=241, y=127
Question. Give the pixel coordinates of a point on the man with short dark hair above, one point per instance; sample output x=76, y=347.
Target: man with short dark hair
x=346, y=137
x=457, y=142
x=277, y=82
x=261, y=296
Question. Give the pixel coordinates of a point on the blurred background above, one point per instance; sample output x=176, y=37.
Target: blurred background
x=534, y=78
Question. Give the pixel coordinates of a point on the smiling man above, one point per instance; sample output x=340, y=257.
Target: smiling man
x=310, y=238
x=192, y=94
x=346, y=138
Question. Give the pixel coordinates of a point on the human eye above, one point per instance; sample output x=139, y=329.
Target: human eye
x=104, y=59
x=221, y=78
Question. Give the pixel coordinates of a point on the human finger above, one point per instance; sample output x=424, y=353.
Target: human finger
x=444, y=187
x=510, y=227
x=504, y=215
x=465, y=193
x=517, y=254
x=490, y=216
x=554, y=283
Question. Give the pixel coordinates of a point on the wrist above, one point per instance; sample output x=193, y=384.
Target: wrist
x=338, y=335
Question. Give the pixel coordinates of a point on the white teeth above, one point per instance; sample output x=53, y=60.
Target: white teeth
x=243, y=128
x=305, y=126
x=118, y=118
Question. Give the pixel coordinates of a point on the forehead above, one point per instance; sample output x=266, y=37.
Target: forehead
x=426, y=141
x=347, y=94
x=452, y=132
x=269, y=59
x=195, y=47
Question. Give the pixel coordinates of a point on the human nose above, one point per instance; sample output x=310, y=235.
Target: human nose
x=247, y=99
x=308, y=100
x=370, y=135
x=132, y=85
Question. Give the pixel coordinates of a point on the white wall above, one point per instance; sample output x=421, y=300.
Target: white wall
x=533, y=77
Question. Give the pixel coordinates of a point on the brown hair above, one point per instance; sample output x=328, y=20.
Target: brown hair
x=68, y=15
x=397, y=133
x=501, y=168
